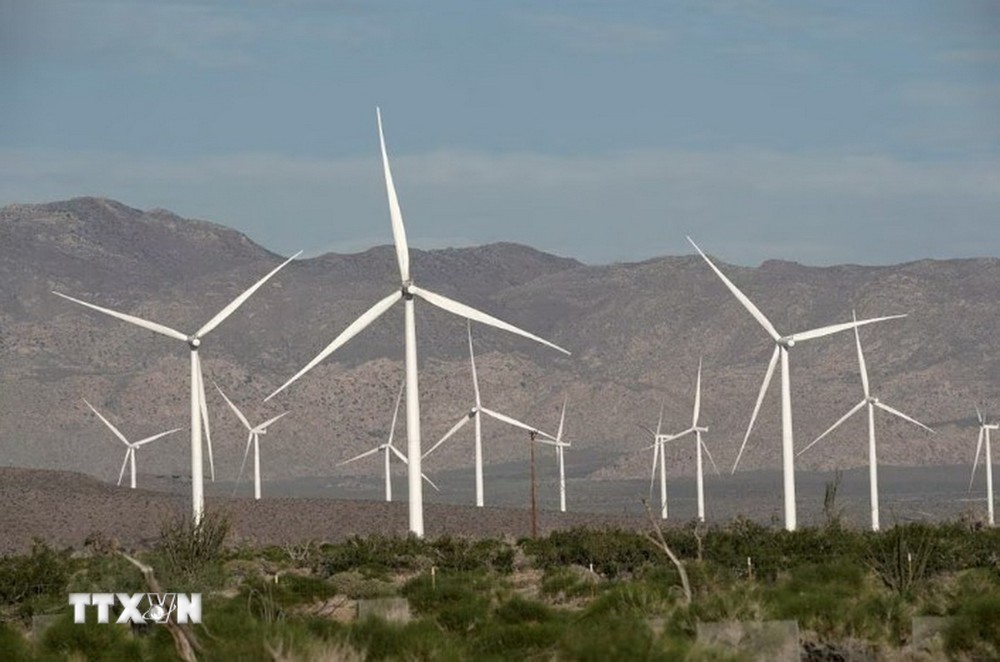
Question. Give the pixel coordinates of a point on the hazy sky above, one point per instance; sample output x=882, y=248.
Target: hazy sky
x=821, y=132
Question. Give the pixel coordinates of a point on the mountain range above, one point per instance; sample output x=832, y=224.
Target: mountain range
x=636, y=332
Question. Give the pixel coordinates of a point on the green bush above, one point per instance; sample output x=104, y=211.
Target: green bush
x=459, y=602
x=974, y=633
x=190, y=556
x=36, y=581
x=91, y=640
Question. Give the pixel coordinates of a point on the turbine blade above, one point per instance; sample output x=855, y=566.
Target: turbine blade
x=138, y=321
x=471, y=313
x=238, y=301
x=885, y=407
x=121, y=473
x=429, y=481
x=861, y=357
x=697, y=397
x=709, y=454
x=513, y=421
x=975, y=463
x=108, y=423
x=562, y=420
x=843, y=418
x=679, y=435
x=399, y=454
x=204, y=417
x=472, y=359
x=143, y=442
x=395, y=215
x=652, y=473
x=266, y=424
x=362, y=455
x=648, y=429
x=760, y=399
x=836, y=328
x=659, y=421
x=239, y=414
x=979, y=415
x=747, y=303
x=395, y=412
x=352, y=330
x=243, y=464
x=455, y=428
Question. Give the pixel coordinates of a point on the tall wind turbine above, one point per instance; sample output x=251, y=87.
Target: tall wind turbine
x=659, y=453
x=388, y=449
x=699, y=445
x=560, y=447
x=199, y=409
x=475, y=414
x=872, y=402
x=781, y=346
x=407, y=291
x=984, y=432
x=132, y=446
x=253, y=437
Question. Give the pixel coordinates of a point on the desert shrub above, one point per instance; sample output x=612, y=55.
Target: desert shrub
x=973, y=633
x=13, y=645
x=35, y=581
x=819, y=596
x=519, y=610
x=357, y=587
x=464, y=555
x=569, y=582
x=91, y=640
x=612, y=637
x=613, y=553
x=374, y=555
x=633, y=599
x=459, y=602
x=901, y=556
x=419, y=640
x=504, y=641
x=190, y=556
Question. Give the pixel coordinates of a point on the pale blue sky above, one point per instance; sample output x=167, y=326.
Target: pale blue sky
x=822, y=132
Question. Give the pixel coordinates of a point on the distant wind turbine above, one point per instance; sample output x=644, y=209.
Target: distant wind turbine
x=388, y=449
x=659, y=454
x=199, y=408
x=132, y=446
x=407, y=291
x=872, y=402
x=253, y=438
x=699, y=445
x=475, y=414
x=560, y=447
x=984, y=432
x=781, y=346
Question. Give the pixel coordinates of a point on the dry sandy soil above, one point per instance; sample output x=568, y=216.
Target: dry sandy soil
x=64, y=508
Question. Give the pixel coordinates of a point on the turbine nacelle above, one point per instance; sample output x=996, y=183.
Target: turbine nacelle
x=871, y=399
x=787, y=342
x=405, y=288
x=194, y=342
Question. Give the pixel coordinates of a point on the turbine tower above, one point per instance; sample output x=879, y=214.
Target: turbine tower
x=659, y=453
x=132, y=446
x=984, y=432
x=389, y=450
x=872, y=402
x=781, y=346
x=199, y=409
x=253, y=438
x=560, y=447
x=407, y=291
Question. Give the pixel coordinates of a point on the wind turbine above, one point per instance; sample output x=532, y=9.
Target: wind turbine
x=872, y=402
x=407, y=291
x=475, y=414
x=199, y=408
x=560, y=447
x=699, y=445
x=132, y=446
x=984, y=431
x=389, y=450
x=252, y=438
x=659, y=453
x=781, y=346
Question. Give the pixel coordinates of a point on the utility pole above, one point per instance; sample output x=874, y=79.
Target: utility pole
x=534, y=498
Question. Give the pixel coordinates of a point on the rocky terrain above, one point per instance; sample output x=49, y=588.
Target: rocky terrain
x=636, y=332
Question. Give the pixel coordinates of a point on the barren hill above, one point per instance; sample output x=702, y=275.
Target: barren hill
x=636, y=332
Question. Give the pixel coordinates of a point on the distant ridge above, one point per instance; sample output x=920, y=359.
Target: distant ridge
x=636, y=332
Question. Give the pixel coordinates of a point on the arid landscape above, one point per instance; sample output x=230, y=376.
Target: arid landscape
x=636, y=332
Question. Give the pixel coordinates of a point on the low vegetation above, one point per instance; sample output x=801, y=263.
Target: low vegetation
x=579, y=594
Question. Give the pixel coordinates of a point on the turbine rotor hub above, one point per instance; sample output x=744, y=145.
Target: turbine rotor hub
x=405, y=288
x=194, y=342
x=787, y=342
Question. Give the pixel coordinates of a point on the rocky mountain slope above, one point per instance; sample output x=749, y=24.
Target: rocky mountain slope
x=636, y=332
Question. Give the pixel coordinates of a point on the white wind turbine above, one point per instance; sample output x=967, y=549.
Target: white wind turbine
x=872, y=402
x=984, y=432
x=253, y=437
x=407, y=291
x=474, y=414
x=199, y=408
x=781, y=346
x=132, y=446
x=699, y=445
x=659, y=454
x=388, y=449
x=560, y=447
